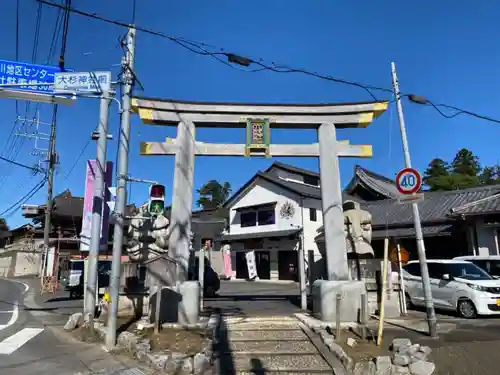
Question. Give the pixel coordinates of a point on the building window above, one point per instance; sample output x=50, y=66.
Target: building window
x=248, y=219
x=312, y=214
x=266, y=217
x=311, y=180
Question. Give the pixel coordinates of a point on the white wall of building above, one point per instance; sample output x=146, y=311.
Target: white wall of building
x=266, y=192
x=311, y=227
x=261, y=193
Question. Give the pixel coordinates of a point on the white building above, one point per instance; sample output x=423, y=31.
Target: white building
x=273, y=214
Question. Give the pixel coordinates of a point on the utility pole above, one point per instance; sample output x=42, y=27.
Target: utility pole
x=91, y=293
x=50, y=180
x=429, y=305
x=121, y=193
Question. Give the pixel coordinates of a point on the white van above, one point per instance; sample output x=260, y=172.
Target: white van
x=72, y=278
x=456, y=285
x=489, y=263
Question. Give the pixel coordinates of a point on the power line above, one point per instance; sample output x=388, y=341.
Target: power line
x=26, y=197
x=77, y=160
x=19, y=164
x=202, y=49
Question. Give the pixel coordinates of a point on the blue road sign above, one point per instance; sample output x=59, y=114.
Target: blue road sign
x=15, y=72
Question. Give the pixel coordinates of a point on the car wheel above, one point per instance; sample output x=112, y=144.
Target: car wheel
x=466, y=309
x=409, y=304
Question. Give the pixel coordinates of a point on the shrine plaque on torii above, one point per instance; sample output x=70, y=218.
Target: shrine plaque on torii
x=258, y=120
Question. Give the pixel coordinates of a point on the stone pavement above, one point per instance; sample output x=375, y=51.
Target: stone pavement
x=256, y=298
x=278, y=344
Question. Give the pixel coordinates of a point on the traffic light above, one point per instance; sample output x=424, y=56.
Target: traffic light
x=156, y=199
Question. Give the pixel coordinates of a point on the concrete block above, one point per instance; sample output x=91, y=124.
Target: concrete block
x=324, y=294
x=189, y=304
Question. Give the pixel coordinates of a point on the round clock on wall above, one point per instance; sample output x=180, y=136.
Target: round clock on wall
x=287, y=211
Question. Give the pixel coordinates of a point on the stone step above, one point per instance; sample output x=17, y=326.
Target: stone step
x=263, y=326
x=272, y=347
x=265, y=372
x=308, y=363
x=285, y=335
x=259, y=319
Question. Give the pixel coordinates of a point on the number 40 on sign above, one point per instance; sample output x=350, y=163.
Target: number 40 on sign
x=408, y=181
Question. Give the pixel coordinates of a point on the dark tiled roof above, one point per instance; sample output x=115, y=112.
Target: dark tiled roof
x=490, y=205
x=291, y=168
x=437, y=206
x=427, y=231
x=374, y=181
x=303, y=190
x=66, y=205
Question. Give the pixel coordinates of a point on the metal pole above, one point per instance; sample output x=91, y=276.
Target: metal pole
x=429, y=306
x=385, y=263
x=338, y=307
x=401, y=282
x=92, y=291
x=201, y=273
x=302, y=266
x=121, y=194
x=50, y=181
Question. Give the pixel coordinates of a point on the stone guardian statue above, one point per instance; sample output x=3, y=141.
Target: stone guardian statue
x=358, y=230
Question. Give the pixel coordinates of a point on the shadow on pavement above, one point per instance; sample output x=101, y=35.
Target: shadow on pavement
x=63, y=299
x=224, y=358
x=224, y=362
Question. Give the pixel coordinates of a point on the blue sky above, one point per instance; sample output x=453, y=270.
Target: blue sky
x=445, y=50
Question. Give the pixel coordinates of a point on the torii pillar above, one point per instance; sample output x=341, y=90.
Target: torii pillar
x=326, y=118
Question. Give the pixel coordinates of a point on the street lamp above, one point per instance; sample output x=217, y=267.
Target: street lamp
x=417, y=99
x=239, y=60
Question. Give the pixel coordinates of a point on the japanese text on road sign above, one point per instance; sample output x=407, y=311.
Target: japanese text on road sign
x=408, y=181
x=27, y=76
x=83, y=82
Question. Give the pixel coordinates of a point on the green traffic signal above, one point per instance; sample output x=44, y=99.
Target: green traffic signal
x=156, y=207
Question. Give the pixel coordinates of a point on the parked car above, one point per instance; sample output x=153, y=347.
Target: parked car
x=456, y=285
x=72, y=279
x=489, y=263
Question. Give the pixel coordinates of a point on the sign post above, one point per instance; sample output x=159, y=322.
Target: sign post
x=408, y=183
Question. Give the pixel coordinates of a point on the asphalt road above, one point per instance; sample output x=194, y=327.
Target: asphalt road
x=32, y=340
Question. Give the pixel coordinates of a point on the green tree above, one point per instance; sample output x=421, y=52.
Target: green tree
x=490, y=175
x=436, y=176
x=3, y=224
x=465, y=170
x=466, y=163
x=213, y=194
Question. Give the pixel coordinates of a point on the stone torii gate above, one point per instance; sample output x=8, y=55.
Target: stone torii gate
x=258, y=119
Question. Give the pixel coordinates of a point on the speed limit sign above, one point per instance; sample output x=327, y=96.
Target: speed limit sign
x=408, y=181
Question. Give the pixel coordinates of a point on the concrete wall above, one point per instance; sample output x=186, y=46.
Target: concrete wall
x=19, y=263
x=487, y=242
